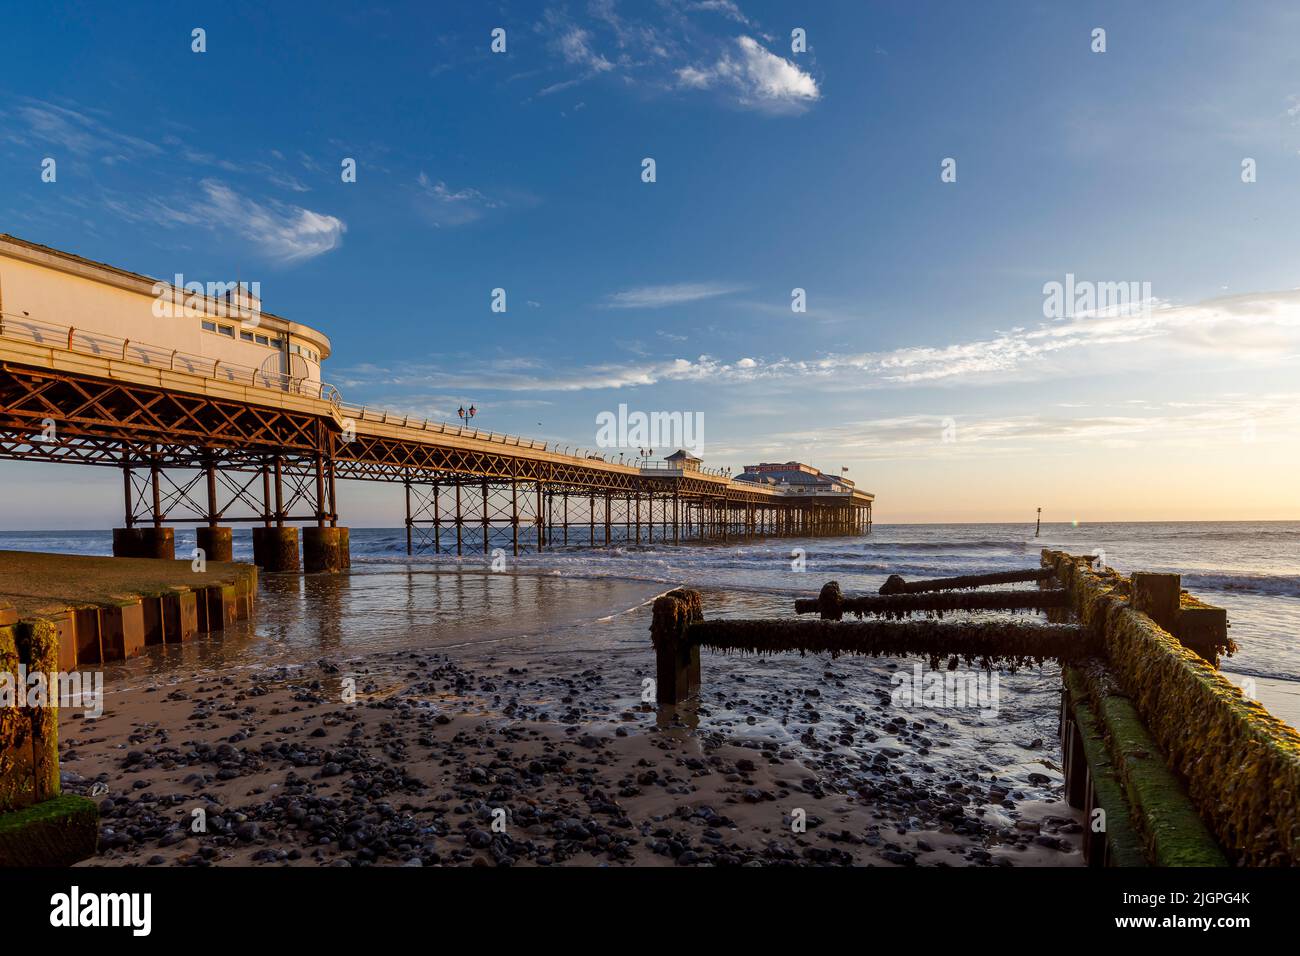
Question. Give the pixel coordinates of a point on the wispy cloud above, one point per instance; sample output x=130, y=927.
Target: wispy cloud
x=1261, y=328
x=661, y=296
x=528, y=374
x=575, y=45
x=1264, y=419
x=443, y=205
x=756, y=77
x=282, y=232
x=725, y=7
x=43, y=125
x=675, y=45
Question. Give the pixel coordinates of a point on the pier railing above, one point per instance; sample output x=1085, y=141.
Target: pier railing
x=72, y=339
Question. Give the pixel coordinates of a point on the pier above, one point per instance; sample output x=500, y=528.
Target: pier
x=205, y=431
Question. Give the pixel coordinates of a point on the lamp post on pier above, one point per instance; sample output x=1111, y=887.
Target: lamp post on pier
x=464, y=415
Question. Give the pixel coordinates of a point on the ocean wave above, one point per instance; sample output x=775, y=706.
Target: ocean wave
x=948, y=544
x=1277, y=585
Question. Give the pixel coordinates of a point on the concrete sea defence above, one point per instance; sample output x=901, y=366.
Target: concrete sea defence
x=60, y=613
x=107, y=609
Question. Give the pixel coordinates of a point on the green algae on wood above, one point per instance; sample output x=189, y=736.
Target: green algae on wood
x=1241, y=765
x=987, y=643
x=832, y=605
x=677, y=658
x=1172, y=831
x=38, y=643
x=17, y=775
x=1124, y=846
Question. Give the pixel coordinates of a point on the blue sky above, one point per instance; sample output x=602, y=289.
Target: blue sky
x=924, y=362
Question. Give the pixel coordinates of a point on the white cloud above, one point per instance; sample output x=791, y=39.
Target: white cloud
x=575, y=45
x=660, y=296
x=284, y=232
x=725, y=7
x=757, y=77
x=1259, y=328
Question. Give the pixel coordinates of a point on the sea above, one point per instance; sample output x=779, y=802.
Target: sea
x=578, y=596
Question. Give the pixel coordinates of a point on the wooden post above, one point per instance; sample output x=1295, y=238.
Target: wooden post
x=1158, y=597
x=677, y=659
x=1203, y=629
x=830, y=601
x=486, y=530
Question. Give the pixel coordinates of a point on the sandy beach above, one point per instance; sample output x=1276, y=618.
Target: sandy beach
x=777, y=765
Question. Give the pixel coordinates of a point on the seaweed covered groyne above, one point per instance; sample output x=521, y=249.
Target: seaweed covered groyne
x=1170, y=762
x=1239, y=765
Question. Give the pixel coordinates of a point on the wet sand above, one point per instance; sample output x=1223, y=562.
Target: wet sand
x=538, y=750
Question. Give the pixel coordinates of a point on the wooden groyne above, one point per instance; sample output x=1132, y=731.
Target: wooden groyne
x=832, y=605
x=1171, y=720
x=1171, y=764
x=896, y=585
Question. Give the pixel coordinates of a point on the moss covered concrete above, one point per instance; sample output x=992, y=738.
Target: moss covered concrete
x=56, y=832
